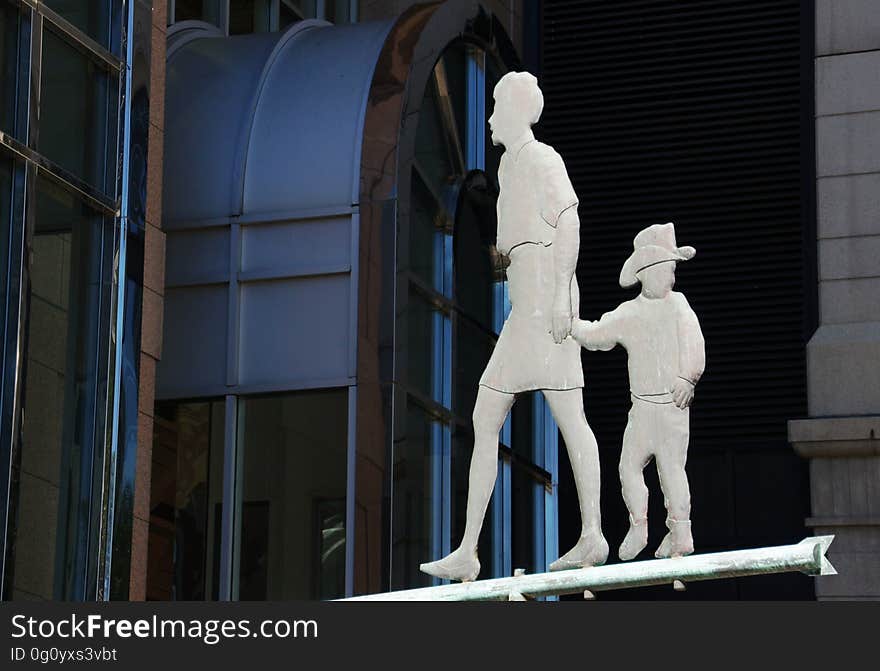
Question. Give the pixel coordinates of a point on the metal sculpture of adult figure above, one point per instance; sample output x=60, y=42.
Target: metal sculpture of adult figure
x=539, y=230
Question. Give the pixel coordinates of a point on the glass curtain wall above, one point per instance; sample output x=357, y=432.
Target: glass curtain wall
x=186, y=495
x=455, y=305
x=279, y=462
x=61, y=109
x=241, y=17
x=291, y=543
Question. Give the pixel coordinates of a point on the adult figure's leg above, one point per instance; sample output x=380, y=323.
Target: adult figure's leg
x=567, y=407
x=490, y=411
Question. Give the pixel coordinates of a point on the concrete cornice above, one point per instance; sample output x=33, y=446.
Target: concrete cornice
x=835, y=436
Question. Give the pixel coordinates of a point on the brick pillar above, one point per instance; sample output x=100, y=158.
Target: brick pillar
x=154, y=288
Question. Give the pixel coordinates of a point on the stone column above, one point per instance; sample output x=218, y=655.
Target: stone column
x=841, y=438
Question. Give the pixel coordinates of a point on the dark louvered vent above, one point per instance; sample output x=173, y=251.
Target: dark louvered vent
x=691, y=112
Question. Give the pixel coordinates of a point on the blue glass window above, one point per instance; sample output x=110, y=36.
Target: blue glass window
x=76, y=92
x=65, y=403
x=93, y=17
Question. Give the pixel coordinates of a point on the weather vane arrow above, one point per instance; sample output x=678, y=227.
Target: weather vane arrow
x=808, y=557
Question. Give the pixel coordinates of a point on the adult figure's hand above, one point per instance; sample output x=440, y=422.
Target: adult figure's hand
x=561, y=320
x=565, y=253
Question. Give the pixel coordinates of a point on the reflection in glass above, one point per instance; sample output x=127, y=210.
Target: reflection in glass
x=250, y=16
x=492, y=153
x=200, y=10
x=439, y=154
x=462, y=447
x=65, y=395
x=293, y=483
x=6, y=168
x=419, y=320
x=429, y=343
x=475, y=226
x=417, y=515
x=185, y=501
x=75, y=94
x=90, y=16
x=427, y=221
x=286, y=15
x=473, y=347
x=523, y=441
x=9, y=26
x=335, y=11
x=527, y=511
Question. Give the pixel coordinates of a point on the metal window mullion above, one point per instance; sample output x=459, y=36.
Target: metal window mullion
x=82, y=190
x=22, y=83
x=24, y=197
x=507, y=517
x=233, y=322
x=350, y=492
x=539, y=502
x=274, y=15
x=103, y=416
x=223, y=19
x=446, y=464
x=435, y=456
x=502, y=559
x=231, y=501
x=551, y=493
x=92, y=48
x=20, y=236
x=476, y=108
x=111, y=463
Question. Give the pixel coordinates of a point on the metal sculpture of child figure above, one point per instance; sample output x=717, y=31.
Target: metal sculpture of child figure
x=666, y=357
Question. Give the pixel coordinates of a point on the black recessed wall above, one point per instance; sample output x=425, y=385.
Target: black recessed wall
x=699, y=113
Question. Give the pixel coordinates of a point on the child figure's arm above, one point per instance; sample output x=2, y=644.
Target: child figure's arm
x=599, y=335
x=691, y=354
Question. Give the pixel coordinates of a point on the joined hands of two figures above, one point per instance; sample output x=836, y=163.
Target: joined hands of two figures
x=682, y=389
x=562, y=319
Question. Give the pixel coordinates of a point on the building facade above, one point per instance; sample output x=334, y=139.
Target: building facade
x=74, y=150
x=253, y=377
x=839, y=436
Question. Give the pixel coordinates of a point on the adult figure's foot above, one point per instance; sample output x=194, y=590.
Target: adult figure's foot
x=636, y=539
x=678, y=542
x=590, y=550
x=461, y=564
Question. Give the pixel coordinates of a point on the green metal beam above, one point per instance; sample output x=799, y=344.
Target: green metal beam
x=808, y=557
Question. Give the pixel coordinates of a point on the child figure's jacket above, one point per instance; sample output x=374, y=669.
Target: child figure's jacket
x=662, y=337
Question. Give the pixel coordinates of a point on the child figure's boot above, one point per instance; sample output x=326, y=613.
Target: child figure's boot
x=678, y=542
x=636, y=539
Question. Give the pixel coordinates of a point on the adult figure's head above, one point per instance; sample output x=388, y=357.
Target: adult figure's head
x=518, y=105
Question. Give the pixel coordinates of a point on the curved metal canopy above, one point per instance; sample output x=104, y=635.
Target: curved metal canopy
x=265, y=123
x=284, y=156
